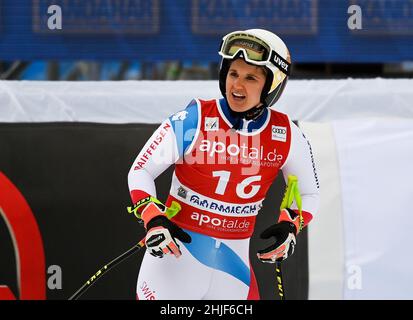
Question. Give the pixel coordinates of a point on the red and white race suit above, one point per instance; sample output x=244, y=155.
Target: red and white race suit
x=221, y=178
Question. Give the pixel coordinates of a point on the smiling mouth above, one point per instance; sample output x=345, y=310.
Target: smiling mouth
x=237, y=96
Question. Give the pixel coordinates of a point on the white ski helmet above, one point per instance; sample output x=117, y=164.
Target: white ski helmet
x=262, y=48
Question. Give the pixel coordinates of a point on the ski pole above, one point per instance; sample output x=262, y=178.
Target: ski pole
x=280, y=283
x=106, y=268
x=170, y=213
x=291, y=193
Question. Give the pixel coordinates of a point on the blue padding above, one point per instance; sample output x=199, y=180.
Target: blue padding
x=184, y=124
x=224, y=258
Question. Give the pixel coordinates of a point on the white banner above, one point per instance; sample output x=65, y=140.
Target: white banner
x=359, y=243
x=154, y=101
x=376, y=169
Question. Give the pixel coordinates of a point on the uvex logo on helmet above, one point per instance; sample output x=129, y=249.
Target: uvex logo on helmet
x=281, y=63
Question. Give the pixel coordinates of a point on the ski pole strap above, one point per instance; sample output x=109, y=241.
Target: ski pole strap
x=293, y=193
x=169, y=212
x=141, y=203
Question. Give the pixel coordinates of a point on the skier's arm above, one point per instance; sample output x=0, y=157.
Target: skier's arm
x=167, y=144
x=300, y=162
x=159, y=152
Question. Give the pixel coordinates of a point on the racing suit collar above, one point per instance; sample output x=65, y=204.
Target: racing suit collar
x=237, y=119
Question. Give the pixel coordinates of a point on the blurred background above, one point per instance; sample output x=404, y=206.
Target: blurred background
x=70, y=129
x=179, y=40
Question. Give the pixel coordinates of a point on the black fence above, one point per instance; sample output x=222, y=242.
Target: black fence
x=74, y=178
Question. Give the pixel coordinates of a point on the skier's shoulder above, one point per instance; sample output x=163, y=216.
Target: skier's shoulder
x=280, y=118
x=187, y=117
x=281, y=121
x=183, y=114
x=192, y=111
x=201, y=103
x=278, y=115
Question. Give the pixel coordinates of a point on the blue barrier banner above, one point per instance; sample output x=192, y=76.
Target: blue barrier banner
x=92, y=17
x=393, y=17
x=287, y=17
x=191, y=30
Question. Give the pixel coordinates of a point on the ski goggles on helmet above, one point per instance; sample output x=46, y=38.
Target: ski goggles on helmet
x=255, y=51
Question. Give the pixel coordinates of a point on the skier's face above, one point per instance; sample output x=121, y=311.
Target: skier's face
x=244, y=84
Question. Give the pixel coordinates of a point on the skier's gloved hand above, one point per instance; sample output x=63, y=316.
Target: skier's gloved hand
x=162, y=233
x=284, y=232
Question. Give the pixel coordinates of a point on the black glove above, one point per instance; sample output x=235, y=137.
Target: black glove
x=161, y=235
x=284, y=233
